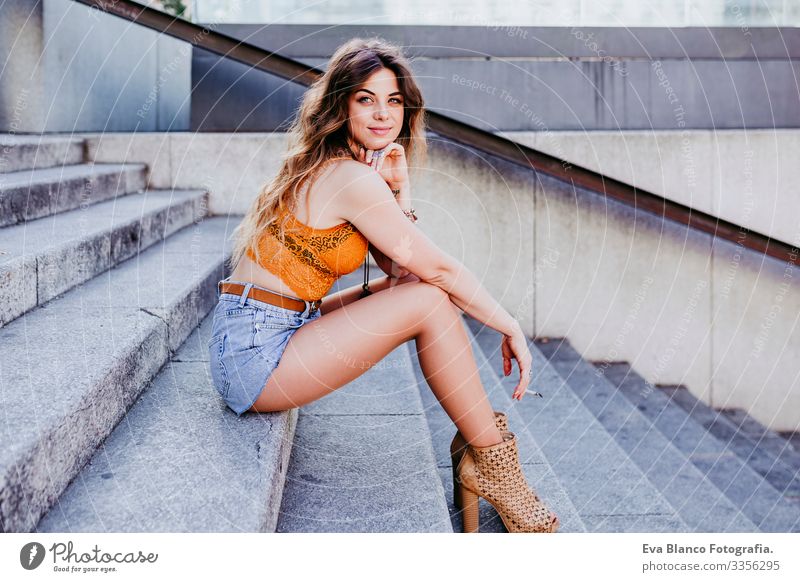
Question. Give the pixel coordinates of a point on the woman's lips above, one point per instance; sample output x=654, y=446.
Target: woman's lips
x=379, y=131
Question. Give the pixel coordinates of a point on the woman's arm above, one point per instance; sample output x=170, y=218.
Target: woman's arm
x=386, y=264
x=346, y=296
x=365, y=200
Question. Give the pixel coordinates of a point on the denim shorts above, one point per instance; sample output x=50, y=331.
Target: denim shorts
x=248, y=338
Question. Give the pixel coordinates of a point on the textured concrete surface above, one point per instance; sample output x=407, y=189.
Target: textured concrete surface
x=29, y=152
x=599, y=478
x=181, y=461
x=29, y=194
x=536, y=78
x=46, y=257
x=784, y=445
x=748, y=178
x=623, y=284
x=363, y=473
x=757, y=498
x=362, y=459
x=753, y=451
x=756, y=336
x=700, y=504
x=93, y=353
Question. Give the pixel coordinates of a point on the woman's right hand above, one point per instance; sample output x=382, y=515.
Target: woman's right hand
x=515, y=346
x=391, y=164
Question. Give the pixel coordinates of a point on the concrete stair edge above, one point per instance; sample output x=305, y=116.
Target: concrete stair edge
x=38, y=468
x=34, y=278
x=32, y=194
x=666, y=466
x=25, y=151
x=671, y=521
x=752, y=450
x=758, y=499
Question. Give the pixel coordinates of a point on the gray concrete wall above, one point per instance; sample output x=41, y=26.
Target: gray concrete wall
x=21, y=42
x=70, y=68
x=749, y=178
x=620, y=284
x=537, y=78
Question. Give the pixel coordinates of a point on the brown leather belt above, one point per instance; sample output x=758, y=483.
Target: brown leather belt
x=269, y=297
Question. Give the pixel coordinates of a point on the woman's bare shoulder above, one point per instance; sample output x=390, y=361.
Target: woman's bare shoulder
x=348, y=171
x=335, y=173
x=346, y=165
x=342, y=179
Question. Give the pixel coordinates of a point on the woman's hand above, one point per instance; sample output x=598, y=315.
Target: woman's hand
x=390, y=163
x=516, y=346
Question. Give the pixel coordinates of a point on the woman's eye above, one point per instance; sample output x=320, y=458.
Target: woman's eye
x=392, y=99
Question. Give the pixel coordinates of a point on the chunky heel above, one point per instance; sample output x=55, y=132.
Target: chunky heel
x=456, y=486
x=470, y=513
x=495, y=474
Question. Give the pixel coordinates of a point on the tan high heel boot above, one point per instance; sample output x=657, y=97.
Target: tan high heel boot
x=459, y=446
x=494, y=473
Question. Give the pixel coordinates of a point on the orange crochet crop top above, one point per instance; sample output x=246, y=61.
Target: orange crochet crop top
x=312, y=259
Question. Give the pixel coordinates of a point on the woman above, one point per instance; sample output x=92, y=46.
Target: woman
x=276, y=346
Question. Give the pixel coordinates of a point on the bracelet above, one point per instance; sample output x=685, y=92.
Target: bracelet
x=396, y=192
x=410, y=214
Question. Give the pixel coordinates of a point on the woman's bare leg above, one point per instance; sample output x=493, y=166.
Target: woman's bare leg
x=329, y=352
x=350, y=294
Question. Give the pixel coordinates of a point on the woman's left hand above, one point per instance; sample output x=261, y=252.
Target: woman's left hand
x=390, y=163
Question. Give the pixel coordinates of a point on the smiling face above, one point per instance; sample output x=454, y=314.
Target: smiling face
x=375, y=111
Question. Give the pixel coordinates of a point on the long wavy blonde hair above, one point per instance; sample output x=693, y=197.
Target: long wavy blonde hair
x=319, y=133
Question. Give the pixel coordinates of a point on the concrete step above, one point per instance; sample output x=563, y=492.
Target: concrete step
x=785, y=446
x=791, y=436
x=35, y=151
x=182, y=461
x=30, y=194
x=755, y=496
x=362, y=459
x=701, y=505
x=763, y=461
x=607, y=488
x=72, y=368
x=535, y=466
x=46, y=257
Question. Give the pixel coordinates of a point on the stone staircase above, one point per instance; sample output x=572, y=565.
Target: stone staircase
x=100, y=280
x=713, y=481
x=111, y=423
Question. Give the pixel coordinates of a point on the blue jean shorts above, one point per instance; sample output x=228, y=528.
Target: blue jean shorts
x=248, y=338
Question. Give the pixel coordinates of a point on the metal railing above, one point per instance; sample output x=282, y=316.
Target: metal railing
x=517, y=153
